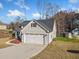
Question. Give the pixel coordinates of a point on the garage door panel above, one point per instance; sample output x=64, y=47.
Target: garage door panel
x=34, y=39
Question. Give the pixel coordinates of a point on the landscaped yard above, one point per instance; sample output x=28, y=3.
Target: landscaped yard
x=4, y=37
x=2, y=42
x=58, y=50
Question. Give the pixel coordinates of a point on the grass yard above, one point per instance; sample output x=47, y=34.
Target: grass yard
x=67, y=39
x=3, y=44
x=58, y=50
x=4, y=37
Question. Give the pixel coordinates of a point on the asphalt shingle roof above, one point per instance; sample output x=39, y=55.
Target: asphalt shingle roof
x=46, y=23
x=25, y=23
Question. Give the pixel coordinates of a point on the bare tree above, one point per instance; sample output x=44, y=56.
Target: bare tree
x=40, y=6
x=11, y=26
x=46, y=9
x=23, y=4
x=18, y=21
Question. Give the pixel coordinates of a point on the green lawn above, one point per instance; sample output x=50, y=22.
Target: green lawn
x=67, y=39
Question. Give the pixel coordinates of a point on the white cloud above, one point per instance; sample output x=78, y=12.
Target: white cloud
x=22, y=4
x=15, y=13
x=68, y=9
x=1, y=6
x=27, y=8
x=62, y=9
x=36, y=15
x=73, y=1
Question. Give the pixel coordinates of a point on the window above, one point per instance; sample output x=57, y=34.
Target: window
x=33, y=25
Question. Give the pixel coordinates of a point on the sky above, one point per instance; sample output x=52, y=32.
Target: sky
x=10, y=9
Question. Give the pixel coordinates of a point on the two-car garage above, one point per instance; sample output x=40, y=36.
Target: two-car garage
x=33, y=39
x=38, y=32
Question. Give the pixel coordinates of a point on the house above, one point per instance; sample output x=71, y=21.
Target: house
x=3, y=27
x=74, y=33
x=38, y=31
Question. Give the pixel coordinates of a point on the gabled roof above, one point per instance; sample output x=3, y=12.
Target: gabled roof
x=25, y=23
x=46, y=23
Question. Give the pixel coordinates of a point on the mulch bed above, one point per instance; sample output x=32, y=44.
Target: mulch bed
x=15, y=41
x=73, y=51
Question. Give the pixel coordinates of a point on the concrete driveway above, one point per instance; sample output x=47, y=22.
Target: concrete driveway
x=22, y=51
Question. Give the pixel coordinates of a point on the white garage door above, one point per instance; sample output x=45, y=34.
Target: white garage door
x=34, y=39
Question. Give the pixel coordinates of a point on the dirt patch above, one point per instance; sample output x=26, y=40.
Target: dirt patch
x=58, y=50
x=4, y=34
x=15, y=41
x=3, y=44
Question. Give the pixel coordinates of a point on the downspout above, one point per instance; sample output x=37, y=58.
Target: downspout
x=44, y=40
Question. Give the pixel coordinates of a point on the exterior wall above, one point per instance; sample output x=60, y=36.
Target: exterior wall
x=52, y=35
x=33, y=30
x=54, y=30
x=33, y=39
x=23, y=38
x=46, y=39
x=42, y=40
x=3, y=27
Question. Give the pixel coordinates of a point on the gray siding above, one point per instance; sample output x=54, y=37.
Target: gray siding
x=33, y=30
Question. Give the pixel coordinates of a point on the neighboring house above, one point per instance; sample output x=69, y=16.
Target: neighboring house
x=74, y=33
x=3, y=27
x=38, y=31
